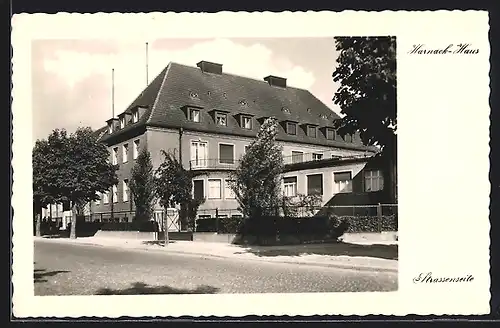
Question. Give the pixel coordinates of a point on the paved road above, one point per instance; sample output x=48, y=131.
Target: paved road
x=66, y=269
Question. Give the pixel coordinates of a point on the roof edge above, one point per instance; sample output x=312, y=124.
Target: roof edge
x=153, y=108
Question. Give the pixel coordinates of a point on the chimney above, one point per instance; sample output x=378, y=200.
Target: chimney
x=209, y=67
x=276, y=81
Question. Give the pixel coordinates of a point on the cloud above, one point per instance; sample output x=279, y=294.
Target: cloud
x=82, y=79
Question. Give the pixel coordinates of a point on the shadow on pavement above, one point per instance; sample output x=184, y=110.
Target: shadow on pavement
x=157, y=242
x=139, y=288
x=40, y=274
x=389, y=252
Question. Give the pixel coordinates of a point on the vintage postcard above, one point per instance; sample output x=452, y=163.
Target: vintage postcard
x=232, y=164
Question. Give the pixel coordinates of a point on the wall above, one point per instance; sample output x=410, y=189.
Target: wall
x=123, y=172
x=328, y=182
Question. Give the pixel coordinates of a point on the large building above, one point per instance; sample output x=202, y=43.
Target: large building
x=209, y=117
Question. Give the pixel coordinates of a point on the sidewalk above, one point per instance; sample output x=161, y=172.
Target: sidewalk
x=340, y=255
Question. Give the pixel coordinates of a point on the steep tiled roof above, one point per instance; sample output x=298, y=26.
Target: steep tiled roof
x=100, y=132
x=178, y=86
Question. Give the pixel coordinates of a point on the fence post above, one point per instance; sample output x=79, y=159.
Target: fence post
x=379, y=217
x=217, y=220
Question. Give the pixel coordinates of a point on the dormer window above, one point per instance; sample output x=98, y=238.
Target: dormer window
x=246, y=122
x=135, y=116
x=122, y=122
x=291, y=128
x=110, y=128
x=311, y=131
x=194, y=115
x=221, y=119
x=348, y=138
x=330, y=134
x=285, y=110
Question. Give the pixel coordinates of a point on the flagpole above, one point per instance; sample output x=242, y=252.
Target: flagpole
x=147, y=63
x=113, y=93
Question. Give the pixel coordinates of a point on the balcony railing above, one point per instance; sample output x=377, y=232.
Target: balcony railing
x=213, y=164
x=232, y=164
x=309, y=157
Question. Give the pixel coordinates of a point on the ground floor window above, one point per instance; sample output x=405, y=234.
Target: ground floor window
x=290, y=186
x=374, y=180
x=342, y=182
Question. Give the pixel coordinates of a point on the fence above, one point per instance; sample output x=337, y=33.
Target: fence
x=164, y=218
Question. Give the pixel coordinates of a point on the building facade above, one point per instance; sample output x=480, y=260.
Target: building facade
x=209, y=118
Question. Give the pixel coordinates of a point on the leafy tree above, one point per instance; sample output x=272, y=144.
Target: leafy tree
x=173, y=186
x=367, y=94
x=78, y=169
x=142, y=186
x=257, y=181
x=87, y=171
x=42, y=158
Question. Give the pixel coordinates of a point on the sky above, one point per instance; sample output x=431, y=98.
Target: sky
x=71, y=79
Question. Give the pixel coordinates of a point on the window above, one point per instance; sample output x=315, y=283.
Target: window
x=247, y=147
x=297, y=157
x=105, y=197
x=115, y=194
x=135, y=116
x=136, y=148
x=228, y=192
x=199, y=151
x=317, y=157
x=290, y=186
x=98, y=200
x=246, y=122
x=330, y=134
x=374, y=180
x=348, y=138
x=198, y=189
x=194, y=115
x=291, y=128
x=226, y=154
x=125, y=153
x=342, y=182
x=114, y=156
x=221, y=119
x=110, y=128
x=311, y=131
x=315, y=184
x=214, y=188
x=122, y=122
x=125, y=190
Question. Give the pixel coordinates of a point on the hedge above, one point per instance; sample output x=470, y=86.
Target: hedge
x=301, y=226
x=368, y=223
x=146, y=226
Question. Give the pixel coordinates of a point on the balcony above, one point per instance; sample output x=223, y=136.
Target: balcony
x=312, y=157
x=213, y=164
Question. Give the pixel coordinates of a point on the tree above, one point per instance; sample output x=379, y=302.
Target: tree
x=78, y=169
x=142, y=186
x=256, y=182
x=42, y=158
x=173, y=186
x=86, y=171
x=367, y=93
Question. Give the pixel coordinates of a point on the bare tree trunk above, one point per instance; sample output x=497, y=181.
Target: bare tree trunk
x=72, y=234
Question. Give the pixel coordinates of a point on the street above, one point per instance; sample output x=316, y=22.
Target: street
x=69, y=269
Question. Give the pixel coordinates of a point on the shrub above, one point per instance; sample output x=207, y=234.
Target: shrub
x=141, y=226
x=368, y=223
x=222, y=225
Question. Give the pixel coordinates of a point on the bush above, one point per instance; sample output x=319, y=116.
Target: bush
x=222, y=225
x=146, y=226
x=289, y=230
x=368, y=223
